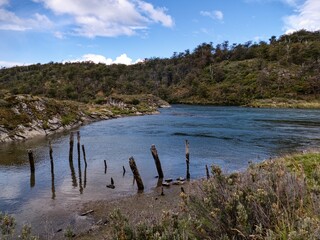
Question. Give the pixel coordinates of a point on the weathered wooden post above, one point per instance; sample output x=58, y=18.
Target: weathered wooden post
x=32, y=168
x=136, y=174
x=105, y=166
x=73, y=174
x=187, y=159
x=155, y=156
x=207, y=171
x=124, y=170
x=50, y=151
x=53, y=189
x=84, y=155
x=71, y=147
x=31, y=161
x=78, y=145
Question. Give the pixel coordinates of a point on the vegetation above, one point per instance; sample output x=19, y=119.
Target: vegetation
x=287, y=67
x=276, y=199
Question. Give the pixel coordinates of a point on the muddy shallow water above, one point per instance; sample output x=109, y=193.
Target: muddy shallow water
x=227, y=136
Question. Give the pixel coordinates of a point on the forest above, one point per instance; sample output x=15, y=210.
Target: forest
x=286, y=67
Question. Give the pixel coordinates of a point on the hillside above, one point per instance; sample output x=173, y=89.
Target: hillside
x=287, y=67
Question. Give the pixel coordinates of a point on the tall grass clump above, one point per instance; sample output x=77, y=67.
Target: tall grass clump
x=275, y=199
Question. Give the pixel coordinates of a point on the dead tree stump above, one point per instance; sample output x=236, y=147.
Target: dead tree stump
x=136, y=174
x=155, y=156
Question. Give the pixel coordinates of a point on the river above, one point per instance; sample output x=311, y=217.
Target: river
x=226, y=136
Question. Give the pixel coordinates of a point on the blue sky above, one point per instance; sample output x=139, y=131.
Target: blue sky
x=124, y=31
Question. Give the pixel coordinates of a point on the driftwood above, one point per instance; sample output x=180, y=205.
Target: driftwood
x=136, y=174
x=155, y=156
x=86, y=213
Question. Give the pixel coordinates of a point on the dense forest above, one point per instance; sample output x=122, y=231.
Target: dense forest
x=226, y=74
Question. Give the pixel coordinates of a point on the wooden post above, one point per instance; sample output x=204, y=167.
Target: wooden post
x=31, y=161
x=136, y=174
x=207, y=171
x=50, y=151
x=78, y=145
x=84, y=155
x=156, y=160
x=53, y=189
x=124, y=170
x=105, y=166
x=187, y=159
x=71, y=147
x=73, y=174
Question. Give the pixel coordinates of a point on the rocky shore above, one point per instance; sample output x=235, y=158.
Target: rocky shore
x=24, y=116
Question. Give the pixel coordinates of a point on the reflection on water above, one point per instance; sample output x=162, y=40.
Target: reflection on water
x=227, y=136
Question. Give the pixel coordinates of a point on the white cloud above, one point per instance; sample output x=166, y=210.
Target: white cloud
x=108, y=17
x=96, y=58
x=216, y=15
x=10, y=21
x=8, y=64
x=307, y=17
x=3, y=2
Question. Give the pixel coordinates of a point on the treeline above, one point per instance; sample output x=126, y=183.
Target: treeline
x=228, y=74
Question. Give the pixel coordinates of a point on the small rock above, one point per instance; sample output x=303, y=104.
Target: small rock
x=166, y=184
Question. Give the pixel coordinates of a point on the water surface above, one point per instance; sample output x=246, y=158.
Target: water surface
x=226, y=136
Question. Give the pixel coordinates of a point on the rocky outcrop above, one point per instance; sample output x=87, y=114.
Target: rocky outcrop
x=24, y=116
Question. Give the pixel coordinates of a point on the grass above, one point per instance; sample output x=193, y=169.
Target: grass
x=275, y=199
x=285, y=103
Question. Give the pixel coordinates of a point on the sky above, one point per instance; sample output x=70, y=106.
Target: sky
x=128, y=31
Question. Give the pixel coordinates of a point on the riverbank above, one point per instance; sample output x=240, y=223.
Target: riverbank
x=270, y=199
x=24, y=116
x=284, y=103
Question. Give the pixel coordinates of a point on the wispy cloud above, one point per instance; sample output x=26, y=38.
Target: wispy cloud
x=307, y=17
x=216, y=15
x=10, y=21
x=108, y=18
x=96, y=58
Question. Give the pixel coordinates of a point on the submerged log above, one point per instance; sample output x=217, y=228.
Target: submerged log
x=136, y=173
x=155, y=156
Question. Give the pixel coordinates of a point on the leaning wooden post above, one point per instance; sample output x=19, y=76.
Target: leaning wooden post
x=105, y=166
x=136, y=174
x=207, y=171
x=31, y=160
x=187, y=159
x=84, y=155
x=156, y=160
x=71, y=147
x=78, y=144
